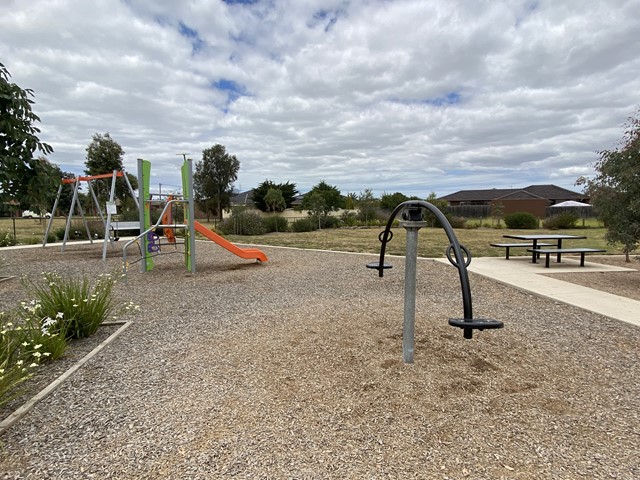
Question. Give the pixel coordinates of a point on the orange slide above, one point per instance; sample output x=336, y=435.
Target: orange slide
x=248, y=253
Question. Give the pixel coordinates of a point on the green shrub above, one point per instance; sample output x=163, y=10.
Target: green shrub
x=457, y=222
x=521, y=220
x=6, y=239
x=560, y=221
x=77, y=230
x=348, y=218
x=329, y=222
x=304, y=225
x=472, y=225
x=59, y=233
x=243, y=222
x=276, y=223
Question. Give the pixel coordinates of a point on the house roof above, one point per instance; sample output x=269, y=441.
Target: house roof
x=242, y=198
x=549, y=192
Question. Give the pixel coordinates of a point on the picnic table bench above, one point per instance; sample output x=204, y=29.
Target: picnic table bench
x=558, y=251
x=508, y=246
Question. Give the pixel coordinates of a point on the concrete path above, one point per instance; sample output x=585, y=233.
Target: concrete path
x=519, y=272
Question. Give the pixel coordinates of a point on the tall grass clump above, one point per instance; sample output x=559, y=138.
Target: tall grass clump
x=79, y=305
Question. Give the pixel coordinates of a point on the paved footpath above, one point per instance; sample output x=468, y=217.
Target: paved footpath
x=519, y=272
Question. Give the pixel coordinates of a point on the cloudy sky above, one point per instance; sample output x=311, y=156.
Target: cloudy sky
x=393, y=95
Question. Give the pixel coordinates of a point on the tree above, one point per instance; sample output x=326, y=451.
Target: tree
x=42, y=186
x=18, y=140
x=104, y=155
x=441, y=205
x=66, y=194
x=288, y=190
x=333, y=199
x=391, y=201
x=350, y=201
x=213, y=180
x=615, y=189
x=274, y=200
x=367, y=206
x=316, y=206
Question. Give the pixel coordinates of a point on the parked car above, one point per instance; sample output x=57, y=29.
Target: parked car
x=30, y=214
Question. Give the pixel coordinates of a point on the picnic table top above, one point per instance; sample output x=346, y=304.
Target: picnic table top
x=565, y=250
x=545, y=236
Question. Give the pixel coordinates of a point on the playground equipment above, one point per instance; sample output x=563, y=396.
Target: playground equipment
x=75, y=202
x=148, y=240
x=413, y=222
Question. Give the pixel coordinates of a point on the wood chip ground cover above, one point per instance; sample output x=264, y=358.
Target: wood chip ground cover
x=293, y=369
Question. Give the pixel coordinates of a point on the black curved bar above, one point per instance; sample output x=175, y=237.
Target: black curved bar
x=386, y=237
x=460, y=264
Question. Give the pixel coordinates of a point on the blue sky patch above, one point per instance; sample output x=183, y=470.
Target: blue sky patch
x=231, y=88
x=451, y=98
x=197, y=43
x=240, y=2
x=326, y=17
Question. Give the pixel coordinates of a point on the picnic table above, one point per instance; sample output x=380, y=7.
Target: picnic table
x=545, y=238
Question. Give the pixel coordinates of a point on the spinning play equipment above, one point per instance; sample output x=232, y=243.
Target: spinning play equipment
x=150, y=242
x=413, y=221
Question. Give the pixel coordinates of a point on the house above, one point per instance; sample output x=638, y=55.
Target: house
x=242, y=199
x=533, y=199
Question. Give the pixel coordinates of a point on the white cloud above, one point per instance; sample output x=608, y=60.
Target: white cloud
x=405, y=96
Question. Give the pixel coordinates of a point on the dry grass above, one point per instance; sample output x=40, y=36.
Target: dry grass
x=432, y=241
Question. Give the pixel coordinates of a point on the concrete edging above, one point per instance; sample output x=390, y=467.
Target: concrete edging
x=45, y=392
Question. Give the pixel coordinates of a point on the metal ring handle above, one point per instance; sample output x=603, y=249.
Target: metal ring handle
x=467, y=261
x=385, y=238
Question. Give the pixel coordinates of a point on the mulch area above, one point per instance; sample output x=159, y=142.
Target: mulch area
x=625, y=284
x=293, y=369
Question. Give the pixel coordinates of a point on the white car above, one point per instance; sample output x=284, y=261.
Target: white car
x=30, y=214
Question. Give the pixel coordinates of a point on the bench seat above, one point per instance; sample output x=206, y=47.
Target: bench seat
x=507, y=246
x=554, y=251
x=117, y=225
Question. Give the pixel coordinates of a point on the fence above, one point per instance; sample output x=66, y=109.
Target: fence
x=469, y=211
x=580, y=212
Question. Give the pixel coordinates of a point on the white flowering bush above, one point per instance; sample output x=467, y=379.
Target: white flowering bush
x=6, y=239
x=39, y=330
x=18, y=357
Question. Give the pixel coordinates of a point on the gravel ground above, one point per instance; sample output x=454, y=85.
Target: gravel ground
x=293, y=369
x=626, y=284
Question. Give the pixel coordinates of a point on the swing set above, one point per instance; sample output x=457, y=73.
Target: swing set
x=111, y=208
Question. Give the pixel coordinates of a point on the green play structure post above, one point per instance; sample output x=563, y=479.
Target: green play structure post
x=144, y=179
x=189, y=214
